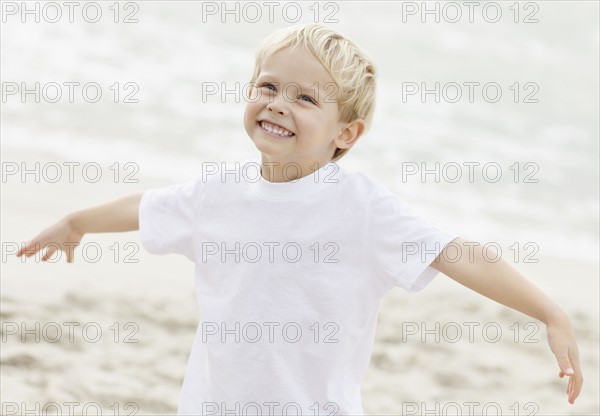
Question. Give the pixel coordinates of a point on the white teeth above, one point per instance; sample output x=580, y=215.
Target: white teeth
x=277, y=130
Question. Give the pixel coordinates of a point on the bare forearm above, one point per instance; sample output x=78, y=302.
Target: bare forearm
x=115, y=216
x=502, y=283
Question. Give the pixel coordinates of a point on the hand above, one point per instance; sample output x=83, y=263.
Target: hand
x=63, y=235
x=562, y=343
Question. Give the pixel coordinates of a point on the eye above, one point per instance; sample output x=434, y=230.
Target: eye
x=308, y=98
x=267, y=85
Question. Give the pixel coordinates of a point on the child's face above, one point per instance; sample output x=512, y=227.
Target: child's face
x=294, y=91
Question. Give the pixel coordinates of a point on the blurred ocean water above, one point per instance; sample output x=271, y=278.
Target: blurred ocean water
x=546, y=192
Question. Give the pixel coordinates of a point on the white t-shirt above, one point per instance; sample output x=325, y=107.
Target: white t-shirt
x=289, y=276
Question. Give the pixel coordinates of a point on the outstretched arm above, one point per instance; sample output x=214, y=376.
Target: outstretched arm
x=115, y=216
x=505, y=285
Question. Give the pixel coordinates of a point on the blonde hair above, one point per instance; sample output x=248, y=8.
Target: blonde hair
x=351, y=69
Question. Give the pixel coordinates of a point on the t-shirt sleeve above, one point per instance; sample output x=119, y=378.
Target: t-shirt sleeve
x=167, y=219
x=401, y=245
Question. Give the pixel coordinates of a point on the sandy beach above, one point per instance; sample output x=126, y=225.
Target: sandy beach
x=115, y=334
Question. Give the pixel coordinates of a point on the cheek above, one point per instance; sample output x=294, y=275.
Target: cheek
x=254, y=104
x=309, y=122
x=250, y=117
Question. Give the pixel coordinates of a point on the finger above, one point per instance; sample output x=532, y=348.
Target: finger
x=570, y=387
x=577, y=379
x=30, y=249
x=571, y=391
x=70, y=254
x=49, y=253
x=566, y=368
x=23, y=249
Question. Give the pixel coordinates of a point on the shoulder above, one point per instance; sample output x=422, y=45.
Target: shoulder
x=361, y=183
x=379, y=199
x=372, y=190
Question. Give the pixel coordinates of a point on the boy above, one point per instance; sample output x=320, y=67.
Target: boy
x=292, y=253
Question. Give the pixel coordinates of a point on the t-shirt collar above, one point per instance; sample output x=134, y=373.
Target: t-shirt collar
x=323, y=178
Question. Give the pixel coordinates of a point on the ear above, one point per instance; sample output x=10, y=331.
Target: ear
x=350, y=133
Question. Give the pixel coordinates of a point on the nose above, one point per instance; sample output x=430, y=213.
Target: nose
x=278, y=105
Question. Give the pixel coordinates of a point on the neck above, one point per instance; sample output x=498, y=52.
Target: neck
x=280, y=171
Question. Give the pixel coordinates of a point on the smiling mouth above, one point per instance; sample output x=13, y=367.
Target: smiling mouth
x=274, y=130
